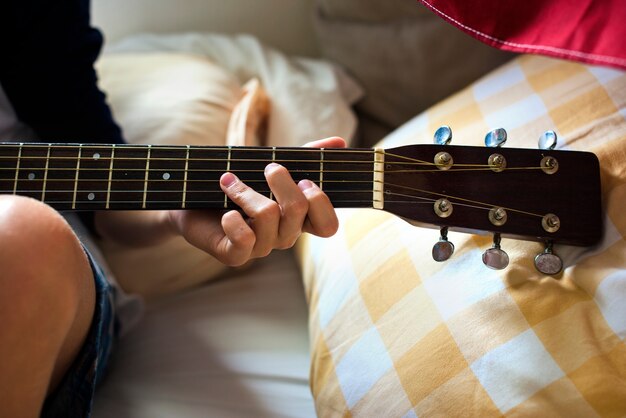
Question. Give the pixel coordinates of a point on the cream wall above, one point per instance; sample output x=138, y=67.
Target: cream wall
x=285, y=24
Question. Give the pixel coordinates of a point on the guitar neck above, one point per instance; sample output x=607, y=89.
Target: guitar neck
x=128, y=177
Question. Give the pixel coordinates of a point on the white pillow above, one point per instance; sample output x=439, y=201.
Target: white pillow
x=175, y=99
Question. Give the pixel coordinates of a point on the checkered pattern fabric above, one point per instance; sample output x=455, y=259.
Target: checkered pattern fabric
x=396, y=334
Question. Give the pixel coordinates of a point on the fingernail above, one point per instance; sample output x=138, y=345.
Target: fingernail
x=271, y=167
x=306, y=184
x=228, y=179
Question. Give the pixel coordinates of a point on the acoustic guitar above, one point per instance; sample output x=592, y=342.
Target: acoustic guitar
x=545, y=194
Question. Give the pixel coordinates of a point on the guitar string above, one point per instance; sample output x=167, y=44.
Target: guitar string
x=475, y=167
x=218, y=203
x=238, y=160
x=487, y=206
x=135, y=147
x=387, y=153
x=219, y=148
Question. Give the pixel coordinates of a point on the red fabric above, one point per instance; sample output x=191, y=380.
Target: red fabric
x=583, y=30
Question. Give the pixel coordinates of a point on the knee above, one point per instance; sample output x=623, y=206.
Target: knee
x=41, y=257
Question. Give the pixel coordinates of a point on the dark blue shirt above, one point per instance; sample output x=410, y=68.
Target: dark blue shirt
x=47, y=51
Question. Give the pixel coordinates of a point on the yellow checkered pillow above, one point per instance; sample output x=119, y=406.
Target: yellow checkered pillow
x=396, y=334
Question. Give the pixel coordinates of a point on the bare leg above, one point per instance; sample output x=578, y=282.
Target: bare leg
x=47, y=299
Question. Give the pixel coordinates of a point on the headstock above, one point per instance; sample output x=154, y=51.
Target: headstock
x=543, y=195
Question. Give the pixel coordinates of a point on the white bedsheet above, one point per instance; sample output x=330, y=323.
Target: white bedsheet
x=233, y=348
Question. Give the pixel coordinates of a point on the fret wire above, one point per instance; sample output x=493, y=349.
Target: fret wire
x=185, y=179
x=45, y=176
x=110, y=176
x=227, y=170
x=80, y=151
x=17, y=167
x=321, y=180
x=145, y=182
x=273, y=160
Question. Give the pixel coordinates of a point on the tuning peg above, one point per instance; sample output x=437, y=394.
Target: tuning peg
x=495, y=257
x=443, y=249
x=547, y=262
x=548, y=140
x=443, y=135
x=495, y=138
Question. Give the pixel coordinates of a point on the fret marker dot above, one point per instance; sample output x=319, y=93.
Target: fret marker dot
x=96, y=156
x=91, y=196
x=31, y=176
x=166, y=176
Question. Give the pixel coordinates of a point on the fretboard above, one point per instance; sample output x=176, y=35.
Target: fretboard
x=126, y=177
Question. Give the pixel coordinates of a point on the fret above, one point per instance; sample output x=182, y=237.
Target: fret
x=108, y=201
x=206, y=165
x=166, y=177
x=348, y=180
x=91, y=181
x=9, y=167
x=77, y=176
x=249, y=165
x=128, y=178
x=185, y=179
x=301, y=163
x=60, y=176
x=45, y=176
x=32, y=168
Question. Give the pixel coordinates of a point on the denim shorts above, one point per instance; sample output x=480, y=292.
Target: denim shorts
x=73, y=398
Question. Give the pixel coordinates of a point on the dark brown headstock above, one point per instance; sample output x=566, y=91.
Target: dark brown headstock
x=532, y=184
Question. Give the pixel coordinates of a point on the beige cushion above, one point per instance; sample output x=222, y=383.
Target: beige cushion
x=176, y=99
x=397, y=334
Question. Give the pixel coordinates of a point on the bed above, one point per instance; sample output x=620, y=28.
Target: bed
x=366, y=323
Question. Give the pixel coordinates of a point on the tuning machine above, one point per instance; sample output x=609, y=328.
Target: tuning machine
x=443, y=249
x=495, y=257
x=495, y=138
x=547, y=262
x=443, y=135
x=548, y=140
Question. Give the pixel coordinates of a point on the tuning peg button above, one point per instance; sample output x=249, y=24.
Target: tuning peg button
x=495, y=257
x=548, y=140
x=547, y=262
x=443, y=135
x=495, y=138
x=443, y=249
